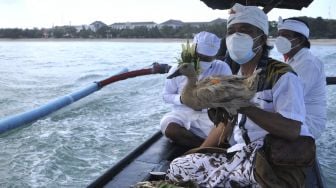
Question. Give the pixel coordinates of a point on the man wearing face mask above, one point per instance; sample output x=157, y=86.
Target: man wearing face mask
x=279, y=110
x=293, y=43
x=184, y=125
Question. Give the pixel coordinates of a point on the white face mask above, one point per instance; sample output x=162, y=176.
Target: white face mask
x=240, y=47
x=205, y=65
x=283, y=45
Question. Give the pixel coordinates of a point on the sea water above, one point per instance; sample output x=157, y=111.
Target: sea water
x=75, y=145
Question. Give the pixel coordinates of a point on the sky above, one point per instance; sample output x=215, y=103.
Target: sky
x=48, y=13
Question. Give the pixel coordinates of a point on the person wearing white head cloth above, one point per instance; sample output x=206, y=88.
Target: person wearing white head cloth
x=279, y=110
x=183, y=125
x=293, y=43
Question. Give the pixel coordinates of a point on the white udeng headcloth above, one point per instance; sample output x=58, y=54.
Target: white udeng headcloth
x=248, y=14
x=207, y=43
x=293, y=25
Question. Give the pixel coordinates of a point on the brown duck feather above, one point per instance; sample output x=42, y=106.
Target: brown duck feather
x=229, y=92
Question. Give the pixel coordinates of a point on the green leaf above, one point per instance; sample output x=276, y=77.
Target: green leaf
x=188, y=55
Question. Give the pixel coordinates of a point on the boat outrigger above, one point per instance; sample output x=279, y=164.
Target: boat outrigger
x=155, y=154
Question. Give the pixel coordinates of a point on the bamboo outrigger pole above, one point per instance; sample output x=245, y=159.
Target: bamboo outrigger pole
x=24, y=118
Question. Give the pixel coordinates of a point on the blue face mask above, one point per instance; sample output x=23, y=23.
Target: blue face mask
x=240, y=47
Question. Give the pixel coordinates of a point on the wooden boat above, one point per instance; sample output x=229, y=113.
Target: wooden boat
x=156, y=153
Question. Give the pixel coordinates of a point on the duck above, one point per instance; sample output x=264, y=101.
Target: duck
x=229, y=92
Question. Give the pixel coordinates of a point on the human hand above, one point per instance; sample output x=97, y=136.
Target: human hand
x=218, y=115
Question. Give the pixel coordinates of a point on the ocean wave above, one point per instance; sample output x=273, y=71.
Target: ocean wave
x=331, y=56
x=89, y=78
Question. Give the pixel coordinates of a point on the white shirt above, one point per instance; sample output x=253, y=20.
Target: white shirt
x=173, y=87
x=311, y=73
x=284, y=98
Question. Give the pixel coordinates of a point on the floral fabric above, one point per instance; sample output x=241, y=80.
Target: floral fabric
x=217, y=169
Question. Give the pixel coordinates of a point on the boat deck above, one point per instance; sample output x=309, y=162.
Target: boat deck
x=155, y=155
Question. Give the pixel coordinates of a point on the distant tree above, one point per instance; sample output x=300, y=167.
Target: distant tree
x=102, y=32
x=218, y=29
x=58, y=32
x=125, y=33
x=331, y=25
x=82, y=33
x=140, y=32
x=12, y=33
x=319, y=28
x=167, y=32
x=154, y=32
x=114, y=33
x=186, y=31
x=67, y=32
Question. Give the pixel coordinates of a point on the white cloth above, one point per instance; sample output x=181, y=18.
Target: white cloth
x=216, y=169
x=293, y=25
x=248, y=14
x=207, y=43
x=182, y=114
x=311, y=73
x=275, y=100
x=197, y=122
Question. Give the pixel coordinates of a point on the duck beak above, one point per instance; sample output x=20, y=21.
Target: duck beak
x=175, y=74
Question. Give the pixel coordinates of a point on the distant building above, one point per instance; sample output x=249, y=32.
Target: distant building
x=132, y=25
x=172, y=23
x=197, y=24
x=45, y=33
x=81, y=27
x=218, y=21
x=213, y=22
x=96, y=25
x=178, y=23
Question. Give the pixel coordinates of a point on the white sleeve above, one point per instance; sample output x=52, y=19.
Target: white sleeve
x=227, y=69
x=308, y=73
x=170, y=90
x=288, y=97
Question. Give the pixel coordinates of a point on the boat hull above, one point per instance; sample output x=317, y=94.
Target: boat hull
x=155, y=155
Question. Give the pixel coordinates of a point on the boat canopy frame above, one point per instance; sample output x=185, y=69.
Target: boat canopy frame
x=267, y=4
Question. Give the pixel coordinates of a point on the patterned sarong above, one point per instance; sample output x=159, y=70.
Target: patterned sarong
x=217, y=169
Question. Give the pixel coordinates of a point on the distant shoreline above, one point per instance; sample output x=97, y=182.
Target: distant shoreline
x=98, y=40
x=313, y=41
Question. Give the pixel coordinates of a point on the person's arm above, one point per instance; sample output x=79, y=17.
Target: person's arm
x=289, y=109
x=274, y=123
x=213, y=138
x=170, y=91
